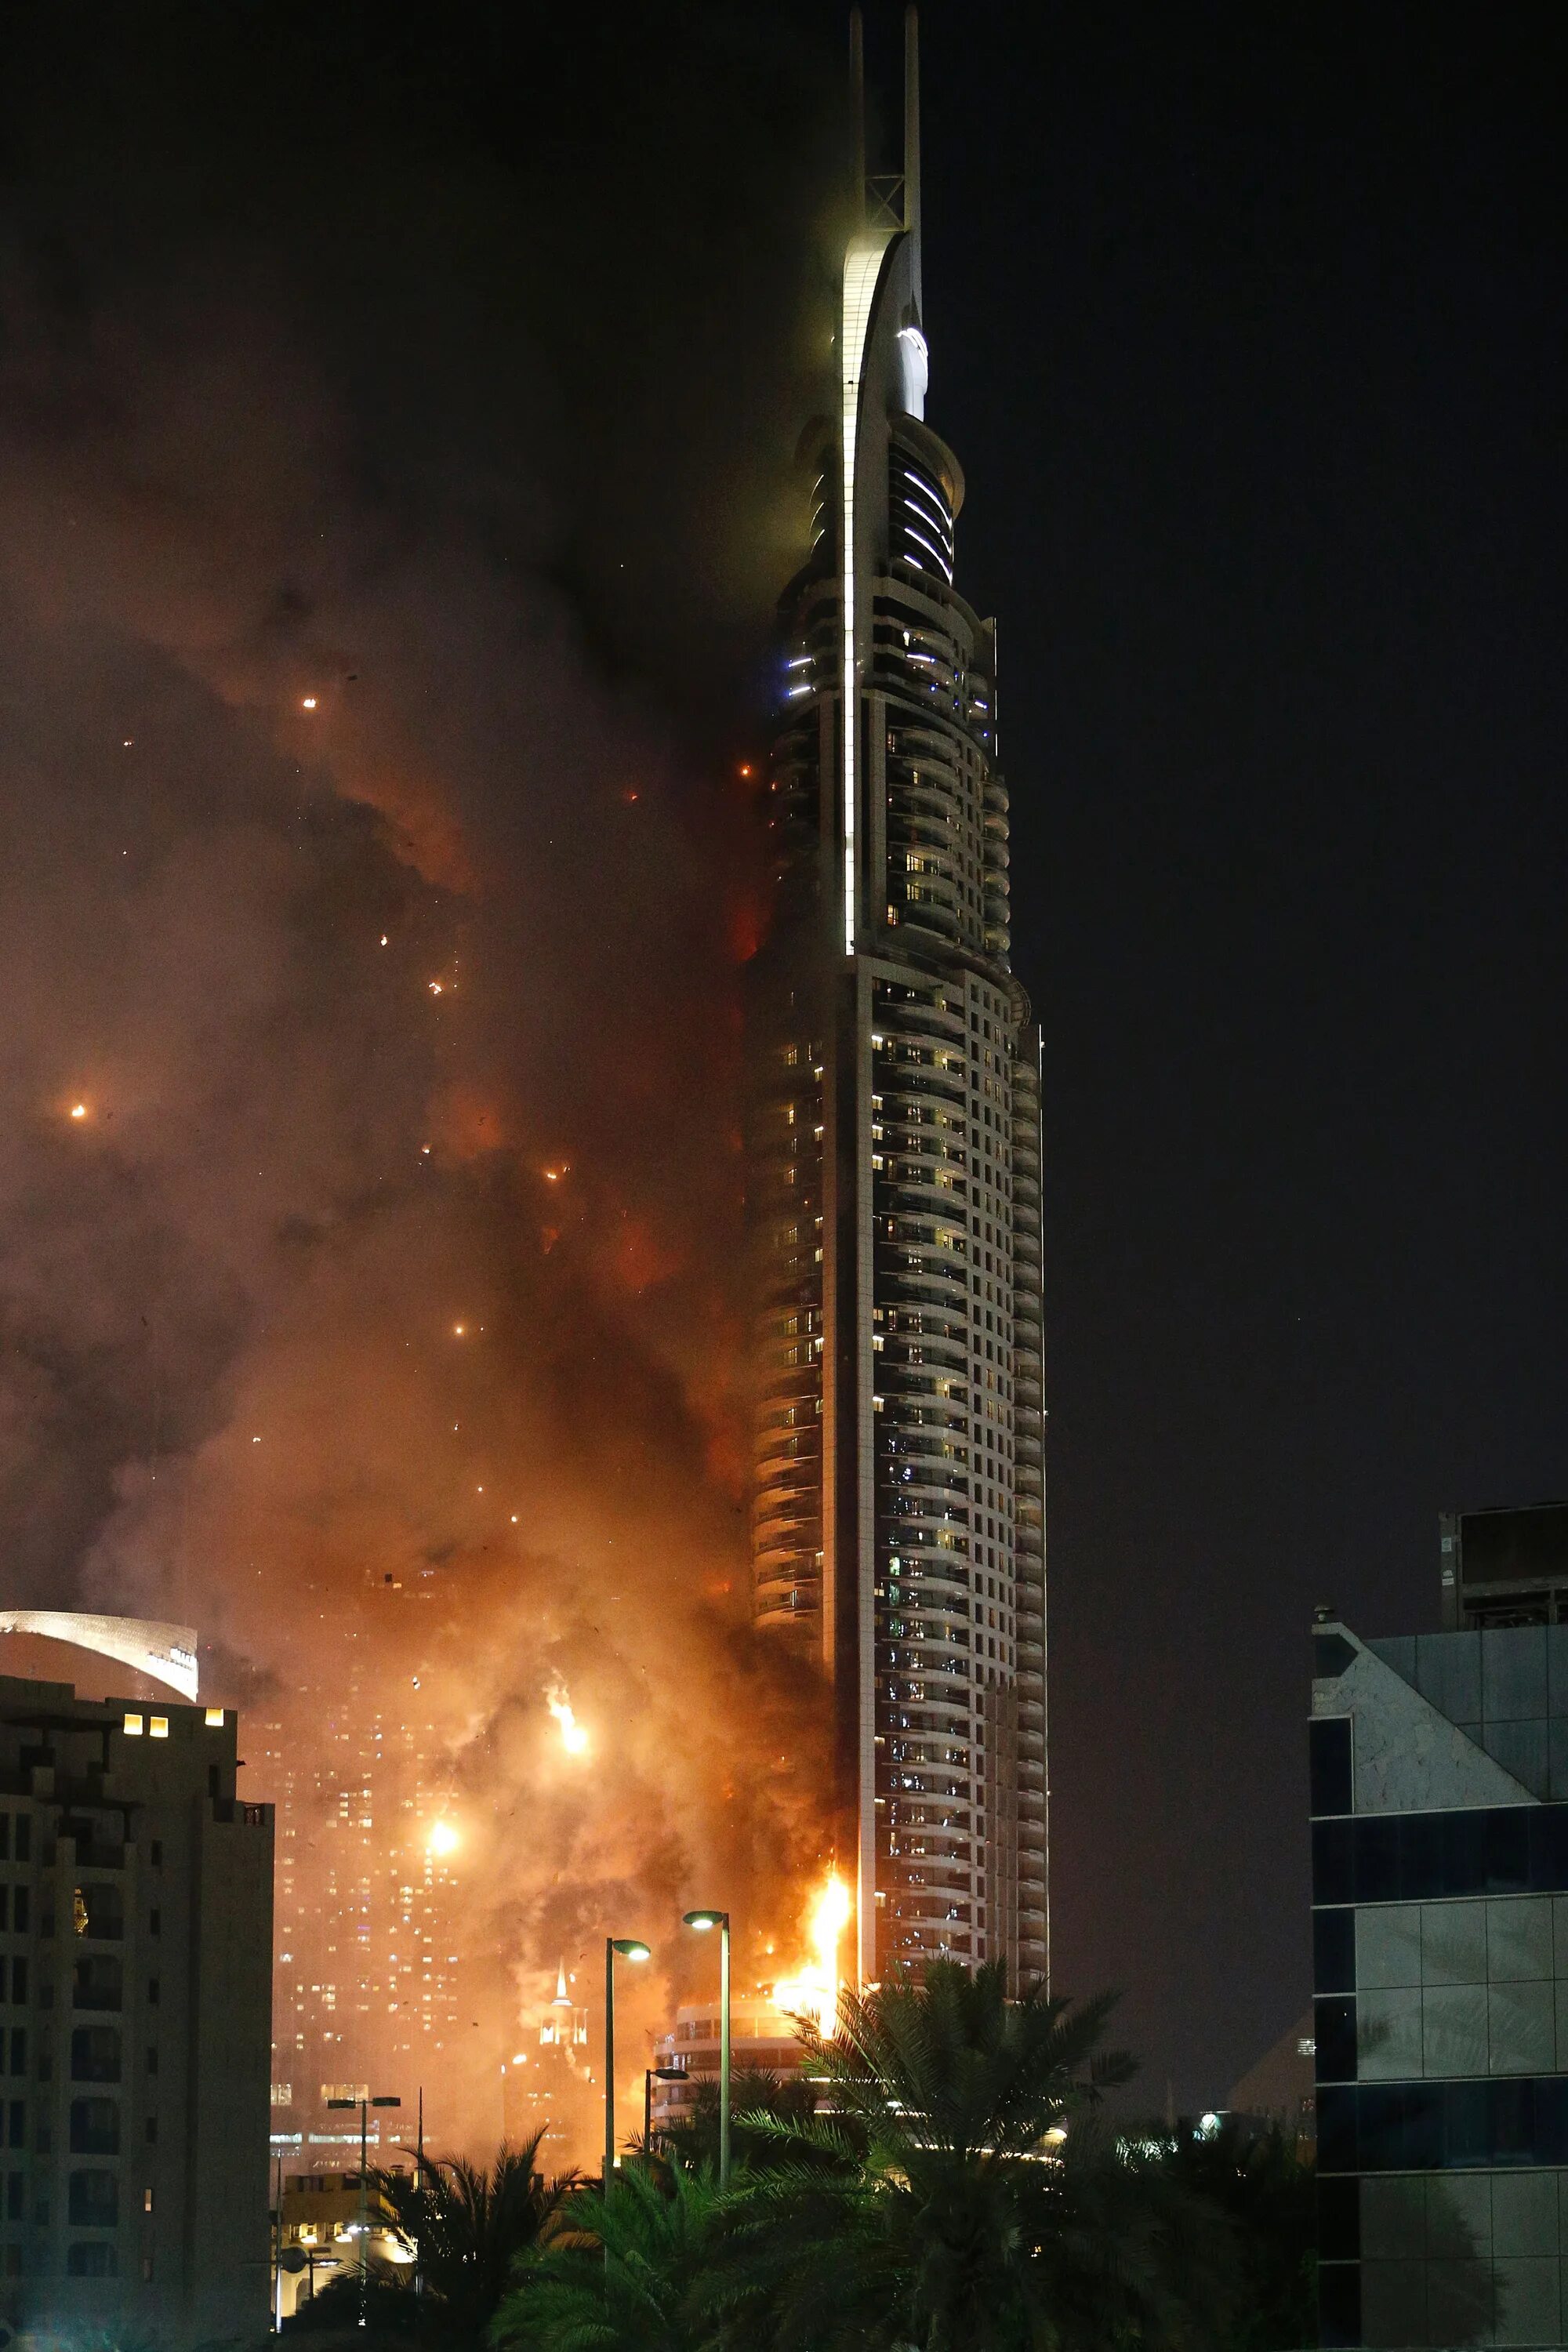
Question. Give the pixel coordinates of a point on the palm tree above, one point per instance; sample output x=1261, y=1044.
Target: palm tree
x=468, y=2226
x=621, y=2272
x=959, y=2196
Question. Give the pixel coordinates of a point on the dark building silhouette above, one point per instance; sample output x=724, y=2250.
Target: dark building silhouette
x=135, y=2016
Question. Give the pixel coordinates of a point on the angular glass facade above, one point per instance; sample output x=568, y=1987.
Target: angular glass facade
x=898, y=1522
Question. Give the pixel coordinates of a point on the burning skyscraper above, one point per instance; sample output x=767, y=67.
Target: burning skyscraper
x=895, y=1168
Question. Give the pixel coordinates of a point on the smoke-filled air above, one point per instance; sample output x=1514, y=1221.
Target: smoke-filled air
x=377, y=872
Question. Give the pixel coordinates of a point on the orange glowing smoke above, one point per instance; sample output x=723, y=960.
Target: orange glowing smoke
x=814, y=1992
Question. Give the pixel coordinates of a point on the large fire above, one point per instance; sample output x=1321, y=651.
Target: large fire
x=814, y=1992
x=574, y=1735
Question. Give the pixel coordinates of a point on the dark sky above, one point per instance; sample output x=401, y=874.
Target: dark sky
x=1246, y=325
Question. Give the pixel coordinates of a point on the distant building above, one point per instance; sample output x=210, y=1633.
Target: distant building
x=763, y=2041
x=135, y=1959
x=1440, y=1776
x=321, y=2218
x=1506, y=1567
x=550, y=2082
x=1281, y=2087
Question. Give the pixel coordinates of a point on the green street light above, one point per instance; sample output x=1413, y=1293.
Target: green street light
x=630, y=1947
x=705, y=1922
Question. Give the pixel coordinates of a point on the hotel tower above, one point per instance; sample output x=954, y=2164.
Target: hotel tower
x=899, y=1526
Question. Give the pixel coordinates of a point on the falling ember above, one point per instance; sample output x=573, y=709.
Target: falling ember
x=434, y=987
x=79, y=1110
x=814, y=1992
x=574, y=1738
x=443, y=1839
x=308, y=703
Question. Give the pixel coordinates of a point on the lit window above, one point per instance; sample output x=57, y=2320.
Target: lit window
x=214, y=1718
x=158, y=1727
x=133, y=1727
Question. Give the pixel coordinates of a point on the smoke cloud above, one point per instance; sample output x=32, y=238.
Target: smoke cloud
x=394, y=474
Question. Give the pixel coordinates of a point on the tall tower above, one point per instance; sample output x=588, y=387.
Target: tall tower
x=898, y=1517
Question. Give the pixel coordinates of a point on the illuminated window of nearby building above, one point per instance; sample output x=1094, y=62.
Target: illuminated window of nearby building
x=133, y=1727
x=158, y=1727
x=214, y=1718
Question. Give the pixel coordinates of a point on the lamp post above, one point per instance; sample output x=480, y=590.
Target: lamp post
x=364, y=2106
x=650, y=2075
x=629, y=1949
x=704, y=1922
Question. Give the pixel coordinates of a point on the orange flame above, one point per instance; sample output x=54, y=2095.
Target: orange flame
x=813, y=1992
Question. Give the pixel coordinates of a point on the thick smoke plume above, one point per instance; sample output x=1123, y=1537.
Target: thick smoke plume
x=387, y=513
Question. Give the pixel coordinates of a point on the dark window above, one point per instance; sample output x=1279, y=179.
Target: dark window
x=1333, y=2030
x=95, y=2127
x=95, y=2053
x=152, y=2057
x=157, y=1854
x=19, y=2050
x=147, y=2269
x=94, y=2201
x=4, y=1837
x=1333, y=1951
x=1338, y=2221
x=1339, y=2303
x=95, y=2258
x=19, y=1980
x=1428, y=1857
x=17, y=2124
x=12, y=2264
x=105, y=1906
x=152, y=1992
x=155, y=1922
x=1515, y=2121
x=24, y=1837
x=151, y=2131
x=97, y=1981
x=1329, y=1758
x=15, y=2189
x=5, y=1906
x=21, y=1909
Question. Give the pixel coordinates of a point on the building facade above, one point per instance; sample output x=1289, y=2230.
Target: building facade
x=1440, y=1776
x=764, y=2040
x=899, y=1524
x=135, y=2012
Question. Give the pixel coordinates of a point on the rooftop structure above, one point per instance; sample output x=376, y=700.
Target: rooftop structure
x=899, y=1516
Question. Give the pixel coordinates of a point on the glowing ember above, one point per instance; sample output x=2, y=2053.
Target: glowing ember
x=79, y=1110
x=814, y=1993
x=574, y=1738
x=308, y=703
x=443, y=1839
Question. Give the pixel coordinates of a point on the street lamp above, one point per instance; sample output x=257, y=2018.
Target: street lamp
x=629, y=1949
x=650, y=2075
x=364, y=2106
x=704, y=1922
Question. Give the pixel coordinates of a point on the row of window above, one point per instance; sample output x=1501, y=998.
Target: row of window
x=15, y=1837
x=1432, y=2126
x=92, y=2258
x=16, y=1909
x=1431, y=1857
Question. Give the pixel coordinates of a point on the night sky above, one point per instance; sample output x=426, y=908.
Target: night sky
x=1246, y=325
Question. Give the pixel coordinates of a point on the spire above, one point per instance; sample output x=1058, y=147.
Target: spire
x=857, y=108
x=562, y=1998
x=912, y=149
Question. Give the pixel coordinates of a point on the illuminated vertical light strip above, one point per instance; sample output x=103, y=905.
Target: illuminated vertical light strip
x=862, y=267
